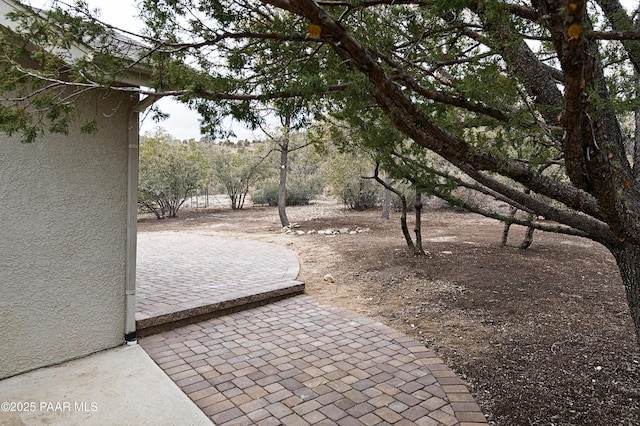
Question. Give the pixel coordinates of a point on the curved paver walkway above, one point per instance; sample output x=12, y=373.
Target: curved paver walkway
x=182, y=274
x=291, y=362
x=294, y=362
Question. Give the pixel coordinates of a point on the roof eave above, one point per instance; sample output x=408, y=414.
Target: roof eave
x=137, y=75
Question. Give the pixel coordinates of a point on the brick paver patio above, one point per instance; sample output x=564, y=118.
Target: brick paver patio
x=291, y=362
x=181, y=275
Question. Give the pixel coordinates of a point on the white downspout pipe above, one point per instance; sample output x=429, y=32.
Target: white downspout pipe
x=133, y=142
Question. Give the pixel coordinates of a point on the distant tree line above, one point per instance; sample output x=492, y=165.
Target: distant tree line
x=171, y=170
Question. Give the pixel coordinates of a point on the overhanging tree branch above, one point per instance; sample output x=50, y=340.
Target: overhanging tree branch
x=412, y=122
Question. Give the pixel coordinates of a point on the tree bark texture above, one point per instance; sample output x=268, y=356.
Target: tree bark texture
x=628, y=259
x=636, y=135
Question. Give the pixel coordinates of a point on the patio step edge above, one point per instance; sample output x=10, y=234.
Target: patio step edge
x=164, y=322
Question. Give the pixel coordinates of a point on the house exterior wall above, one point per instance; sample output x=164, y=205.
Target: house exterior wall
x=63, y=215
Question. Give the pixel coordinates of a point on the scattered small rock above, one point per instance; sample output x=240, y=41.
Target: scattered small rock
x=328, y=232
x=328, y=278
x=288, y=229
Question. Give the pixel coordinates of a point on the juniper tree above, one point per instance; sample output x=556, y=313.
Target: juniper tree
x=530, y=101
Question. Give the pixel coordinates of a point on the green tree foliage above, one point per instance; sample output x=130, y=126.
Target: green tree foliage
x=236, y=169
x=345, y=171
x=528, y=101
x=169, y=171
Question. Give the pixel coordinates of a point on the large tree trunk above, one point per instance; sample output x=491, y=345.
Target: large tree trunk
x=636, y=135
x=282, y=187
x=628, y=259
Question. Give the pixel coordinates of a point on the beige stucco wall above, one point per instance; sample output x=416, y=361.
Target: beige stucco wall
x=63, y=241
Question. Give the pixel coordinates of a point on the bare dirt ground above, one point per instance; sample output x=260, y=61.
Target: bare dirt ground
x=542, y=336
